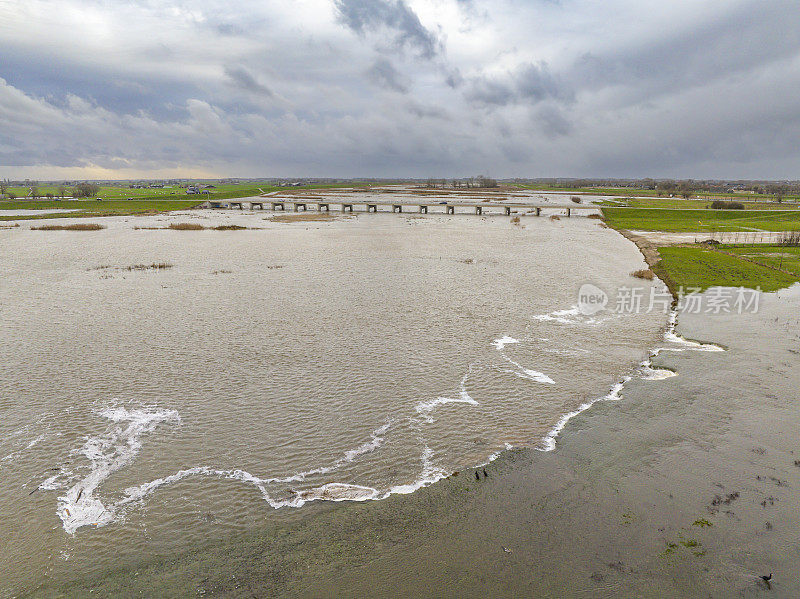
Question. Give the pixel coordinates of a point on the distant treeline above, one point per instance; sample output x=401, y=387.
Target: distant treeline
x=685, y=187
x=81, y=190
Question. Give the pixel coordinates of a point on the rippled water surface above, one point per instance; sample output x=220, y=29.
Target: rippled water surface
x=143, y=410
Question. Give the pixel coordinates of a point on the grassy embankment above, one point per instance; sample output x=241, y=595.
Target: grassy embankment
x=770, y=267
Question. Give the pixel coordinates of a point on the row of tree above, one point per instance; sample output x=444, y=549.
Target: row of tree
x=479, y=182
x=81, y=190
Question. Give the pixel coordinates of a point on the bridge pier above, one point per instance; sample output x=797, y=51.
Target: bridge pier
x=372, y=207
x=423, y=209
x=278, y=205
x=254, y=204
x=397, y=207
x=538, y=211
x=478, y=209
x=232, y=204
x=320, y=206
x=569, y=211
x=507, y=210
x=346, y=207
x=450, y=209
x=298, y=205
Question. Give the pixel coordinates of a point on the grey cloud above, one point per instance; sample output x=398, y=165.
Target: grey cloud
x=536, y=83
x=713, y=94
x=242, y=78
x=363, y=15
x=423, y=111
x=749, y=36
x=529, y=84
x=383, y=74
x=553, y=122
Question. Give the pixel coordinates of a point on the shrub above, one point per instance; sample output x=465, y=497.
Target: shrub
x=644, y=273
x=576, y=199
x=596, y=216
x=723, y=205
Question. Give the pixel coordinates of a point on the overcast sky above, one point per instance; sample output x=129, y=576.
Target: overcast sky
x=417, y=88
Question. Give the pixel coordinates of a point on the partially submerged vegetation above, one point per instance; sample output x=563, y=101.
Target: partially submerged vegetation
x=304, y=217
x=186, y=227
x=152, y=266
x=73, y=227
x=199, y=227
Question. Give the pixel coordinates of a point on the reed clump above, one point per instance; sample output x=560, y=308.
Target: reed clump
x=555, y=217
x=153, y=266
x=185, y=227
x=230, y=228
x=644, y=273
x=74, y=227
x=596, y=216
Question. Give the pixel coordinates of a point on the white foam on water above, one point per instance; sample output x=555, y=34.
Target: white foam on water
x=646, y=371
x=548, y=443
x=527, y=373
x=499, y=344
x=683, y=344
x=568, y=316
x=425, y=408
x=574, y=316
x=114, y=449
x=331, y=491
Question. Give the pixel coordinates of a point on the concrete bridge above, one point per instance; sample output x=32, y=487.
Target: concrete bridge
x=420, y=207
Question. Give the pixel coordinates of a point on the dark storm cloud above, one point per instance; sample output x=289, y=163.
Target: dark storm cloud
x=242, y=78
x=383, y=74
x=364, y=15
x=530, y=84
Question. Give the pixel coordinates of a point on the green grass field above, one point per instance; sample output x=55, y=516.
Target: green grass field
x=785, y=258
x=677, y=203
x=697, y=267
x=702, y=220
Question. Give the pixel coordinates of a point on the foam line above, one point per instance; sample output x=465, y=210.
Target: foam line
x=499, y=344
x=107, y=453
x=527, y=373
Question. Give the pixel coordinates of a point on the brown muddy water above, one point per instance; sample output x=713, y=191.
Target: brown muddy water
x=266, y=372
